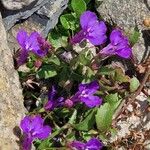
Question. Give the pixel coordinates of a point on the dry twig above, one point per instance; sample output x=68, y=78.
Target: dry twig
x=133, y=96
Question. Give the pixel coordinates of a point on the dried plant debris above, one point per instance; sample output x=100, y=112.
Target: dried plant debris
x=133, y=126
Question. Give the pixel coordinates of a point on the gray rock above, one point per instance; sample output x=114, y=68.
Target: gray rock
x=50, y=13
x=16, y=4
x=10, y=17
x=11, y=107
x=127, y=14
x=42, y=21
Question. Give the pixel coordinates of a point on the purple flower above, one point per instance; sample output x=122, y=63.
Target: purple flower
x=68, y=103
x=31, y=43
x=92, y=29
x=33, y=127
x=86, y=95
x=119, y=45
x=92, y=144
x=53, y=101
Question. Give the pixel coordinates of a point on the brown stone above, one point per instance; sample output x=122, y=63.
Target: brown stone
x=11, y=99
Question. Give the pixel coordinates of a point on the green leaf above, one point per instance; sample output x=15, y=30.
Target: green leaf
x=70, y=136
x=73, y=117
x=47, y=71
x=68, y=21
x=134, y=84
x=104, y=117
x=113, y=132
x=87, y=1
x=76, y=77
x=113, y=100
x=148, y=99
x=120, y=76
x=83, y=60
x=134, y=37
x=89, y=72
x=64, y=22
x=87, y=123
x=106, y=71
x=64, y=75
x=56, y=39
x=44, y=144
x=30, y=65
x=86, y=135
x=79, y=6
x=55, y=60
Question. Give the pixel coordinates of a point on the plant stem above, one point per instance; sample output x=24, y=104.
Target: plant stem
x=133, y=96
x=67, y=125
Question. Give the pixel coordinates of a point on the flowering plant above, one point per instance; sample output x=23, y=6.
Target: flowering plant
x=73, y=90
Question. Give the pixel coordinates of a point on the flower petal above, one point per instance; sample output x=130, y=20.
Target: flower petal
x=116, y=37
x=108, y=50
x=43, y=47
x=49, y=105
x=39, y=52
x=75, y=98
x=52, y=92
x=97, y=41
x=37, y=123
x=33, y=127
x=22, y=38
x=25, y=124
x=124, y=52
x=93, y=144
x=53, y=101
x=32, y=42
x=27, y=143
x=119, y=45
x=60, y=101
x=97, y=33
x=87, y=19
x=78, y=37
x=23, y=57
x=43, y=133
x=91, y=87
x=78, y=145
x=91, y=101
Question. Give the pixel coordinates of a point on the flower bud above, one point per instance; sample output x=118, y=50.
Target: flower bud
x=68, y=103
x=38, y=63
